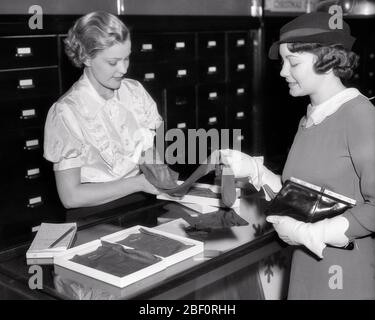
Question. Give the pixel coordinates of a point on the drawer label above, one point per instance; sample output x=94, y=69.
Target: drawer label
x=150, y=76
x=181, y=125
x=33, y=172
x=35, y=200
x=240, y=138
x=182, y=73
x=241, y=66
x=147, y=47
x=25, y=82
x=240, y=114
x=24, y=51
x=180, y=45
x=212, y=95
x=240, y=42
x=32, y=143
x=240, y=91
x=28, y=113
x=211, y=44
x=212, y=69
x=212, y=119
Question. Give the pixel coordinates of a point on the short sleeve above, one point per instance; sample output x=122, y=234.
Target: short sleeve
x=63, y=140
x=150, y=118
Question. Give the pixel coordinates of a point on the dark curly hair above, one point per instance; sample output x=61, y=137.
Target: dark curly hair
x=342, y=61
x=91, y=33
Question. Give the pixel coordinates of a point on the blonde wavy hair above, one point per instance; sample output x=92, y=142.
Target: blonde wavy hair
x=92, y=33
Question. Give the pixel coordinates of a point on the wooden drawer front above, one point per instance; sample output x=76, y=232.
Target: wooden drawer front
x=212, y=70
x=181, y=73
x=238, y=94
x=239, y=69
x=23, y=52
x=181, y=102
x=179, y=46
x=28, y=83
x=211, y=96
x=148, y=74
x=239, y=44
x=19, y=114
x=147, y=48
x=211, y=45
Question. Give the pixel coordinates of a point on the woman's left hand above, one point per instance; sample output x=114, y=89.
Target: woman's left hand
x=294, y=232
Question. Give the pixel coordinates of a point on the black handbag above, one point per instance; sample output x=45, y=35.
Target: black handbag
x=306, y=202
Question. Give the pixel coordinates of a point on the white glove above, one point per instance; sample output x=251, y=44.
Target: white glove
x=314, y=236
x=244, y=165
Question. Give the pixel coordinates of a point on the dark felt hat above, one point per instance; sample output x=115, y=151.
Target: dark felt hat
x=315, y=27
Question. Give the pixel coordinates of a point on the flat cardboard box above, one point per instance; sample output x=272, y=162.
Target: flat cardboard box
x=117, y=285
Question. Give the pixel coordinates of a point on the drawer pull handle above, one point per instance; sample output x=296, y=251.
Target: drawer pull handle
x=211, y=44
x=181, y=125
x=179, y=45
x=240, y=115
x=240, y=42
x=181, y=73
x=212, y=96
x=33, y=173
x=240, y=138
x=31, y=144
x=212, y=120
x=34, y=202
x=212, y=69
x=26, y=84
x=149, y=76
x=241, y=67
x=23, y=52
x=181, y=101
x=28, y=114
x=240, y=91
x=146, y=47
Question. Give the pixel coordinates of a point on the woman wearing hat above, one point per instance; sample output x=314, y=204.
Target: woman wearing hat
x=334, y=147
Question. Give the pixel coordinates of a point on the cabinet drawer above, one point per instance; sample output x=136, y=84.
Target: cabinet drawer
x=181, y=73
x=179, y=46
x=147, y=48
x=24, y=52
x=181, y=102
x=28, y=83
x=19, y=114
x=149, y=74
x=212, y=70
x=211, y=45
x=239, y=44
x=211, y=96
x=239, y=69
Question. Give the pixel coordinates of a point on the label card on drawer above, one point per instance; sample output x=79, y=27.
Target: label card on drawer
x=212, y=120
x=212, y=69
x=212, y=95
x=181, y=125
x=32, y=143
x=240, y=91
x=33, y=172
x=28, y=113
x=149, y=76
x=240, y=42
x=211, y=44
x=25, y=51
x=181, y=73
x=25, y=83
x=240, y=138
x=240, y=114
x=34, y=201
x=241, y=66
x=180, y=45
x=147, y=47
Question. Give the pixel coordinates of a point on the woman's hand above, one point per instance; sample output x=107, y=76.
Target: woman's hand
x=147, y=186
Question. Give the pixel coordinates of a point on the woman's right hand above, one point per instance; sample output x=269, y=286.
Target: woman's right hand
x=147, y=186
x=241, y=164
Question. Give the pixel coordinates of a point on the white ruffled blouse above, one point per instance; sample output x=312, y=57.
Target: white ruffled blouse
x=105, y=138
